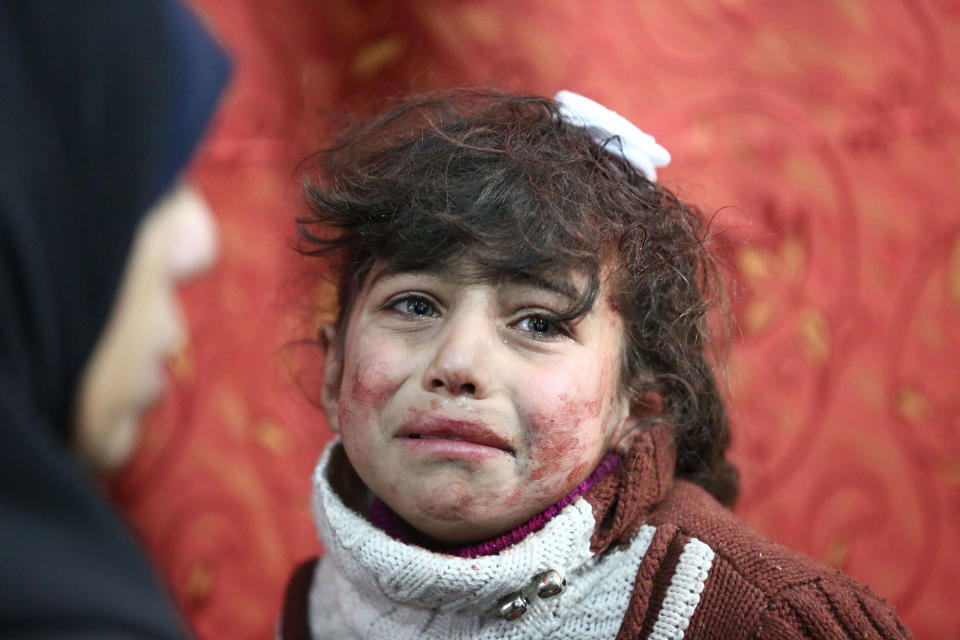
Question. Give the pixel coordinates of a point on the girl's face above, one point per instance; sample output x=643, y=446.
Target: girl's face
x=466, y=407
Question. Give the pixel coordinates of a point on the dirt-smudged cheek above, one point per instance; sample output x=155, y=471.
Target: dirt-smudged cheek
x=552, y=453
x=364, y=391
x=565, y=440
x=369, y=384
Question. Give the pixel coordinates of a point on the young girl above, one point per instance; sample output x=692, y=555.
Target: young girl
x=531, y=439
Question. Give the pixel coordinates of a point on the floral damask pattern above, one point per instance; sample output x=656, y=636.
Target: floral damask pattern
x=823, y=135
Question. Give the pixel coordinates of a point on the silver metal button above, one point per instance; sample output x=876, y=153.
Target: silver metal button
x=513, y=606
x=550, y=583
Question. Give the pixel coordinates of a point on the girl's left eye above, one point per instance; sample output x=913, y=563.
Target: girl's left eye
x=542, y=327
x=414, y=306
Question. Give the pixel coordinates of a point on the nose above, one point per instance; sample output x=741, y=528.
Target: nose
x=192, y=240
x=461, y=362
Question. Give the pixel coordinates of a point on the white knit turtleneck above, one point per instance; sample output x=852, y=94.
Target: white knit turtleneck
x=369, y=585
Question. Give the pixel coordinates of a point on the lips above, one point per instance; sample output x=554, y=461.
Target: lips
x=434, y=427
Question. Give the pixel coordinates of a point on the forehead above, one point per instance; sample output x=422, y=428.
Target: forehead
x=569, y=284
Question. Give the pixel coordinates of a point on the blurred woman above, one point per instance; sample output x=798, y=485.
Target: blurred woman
x=103, y=104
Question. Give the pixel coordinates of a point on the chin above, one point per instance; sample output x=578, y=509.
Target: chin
x=454, y=525
x=112, y=445
x=151, y=388
x=120, y=439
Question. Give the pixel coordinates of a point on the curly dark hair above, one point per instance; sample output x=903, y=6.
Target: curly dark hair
x=502, y=181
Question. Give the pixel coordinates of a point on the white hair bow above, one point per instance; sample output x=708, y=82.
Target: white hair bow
x=637, y=147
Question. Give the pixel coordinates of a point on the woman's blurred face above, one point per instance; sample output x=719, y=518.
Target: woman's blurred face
x=126, y=371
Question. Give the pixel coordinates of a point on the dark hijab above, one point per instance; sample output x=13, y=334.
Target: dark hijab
x=102, y=103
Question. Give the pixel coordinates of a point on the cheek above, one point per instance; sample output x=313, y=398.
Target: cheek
x=566, y=425
x=370, y=377
x=556, y=454
x=365, y=389
x=369, y=383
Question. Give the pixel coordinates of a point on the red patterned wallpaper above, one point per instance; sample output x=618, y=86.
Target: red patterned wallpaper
x=825, y=135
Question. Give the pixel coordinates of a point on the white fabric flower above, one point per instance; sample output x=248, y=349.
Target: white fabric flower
x=638, y=148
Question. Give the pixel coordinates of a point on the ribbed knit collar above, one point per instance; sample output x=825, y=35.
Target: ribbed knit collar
x=608, y=513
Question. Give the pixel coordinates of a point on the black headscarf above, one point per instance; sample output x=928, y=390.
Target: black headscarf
x=102, y=103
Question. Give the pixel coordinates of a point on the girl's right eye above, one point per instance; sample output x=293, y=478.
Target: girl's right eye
x=415, y=306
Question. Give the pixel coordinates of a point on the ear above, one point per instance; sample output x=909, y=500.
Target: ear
x=634, y=414
x=332, y=375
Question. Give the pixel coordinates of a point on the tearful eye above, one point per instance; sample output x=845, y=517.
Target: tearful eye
x=541, y=327
x=414, y=306
x=418, y=307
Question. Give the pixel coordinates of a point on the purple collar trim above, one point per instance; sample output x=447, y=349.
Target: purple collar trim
x=383, y=517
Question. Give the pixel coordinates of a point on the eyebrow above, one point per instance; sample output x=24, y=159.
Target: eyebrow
x=389, y=271
x=561, y=286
